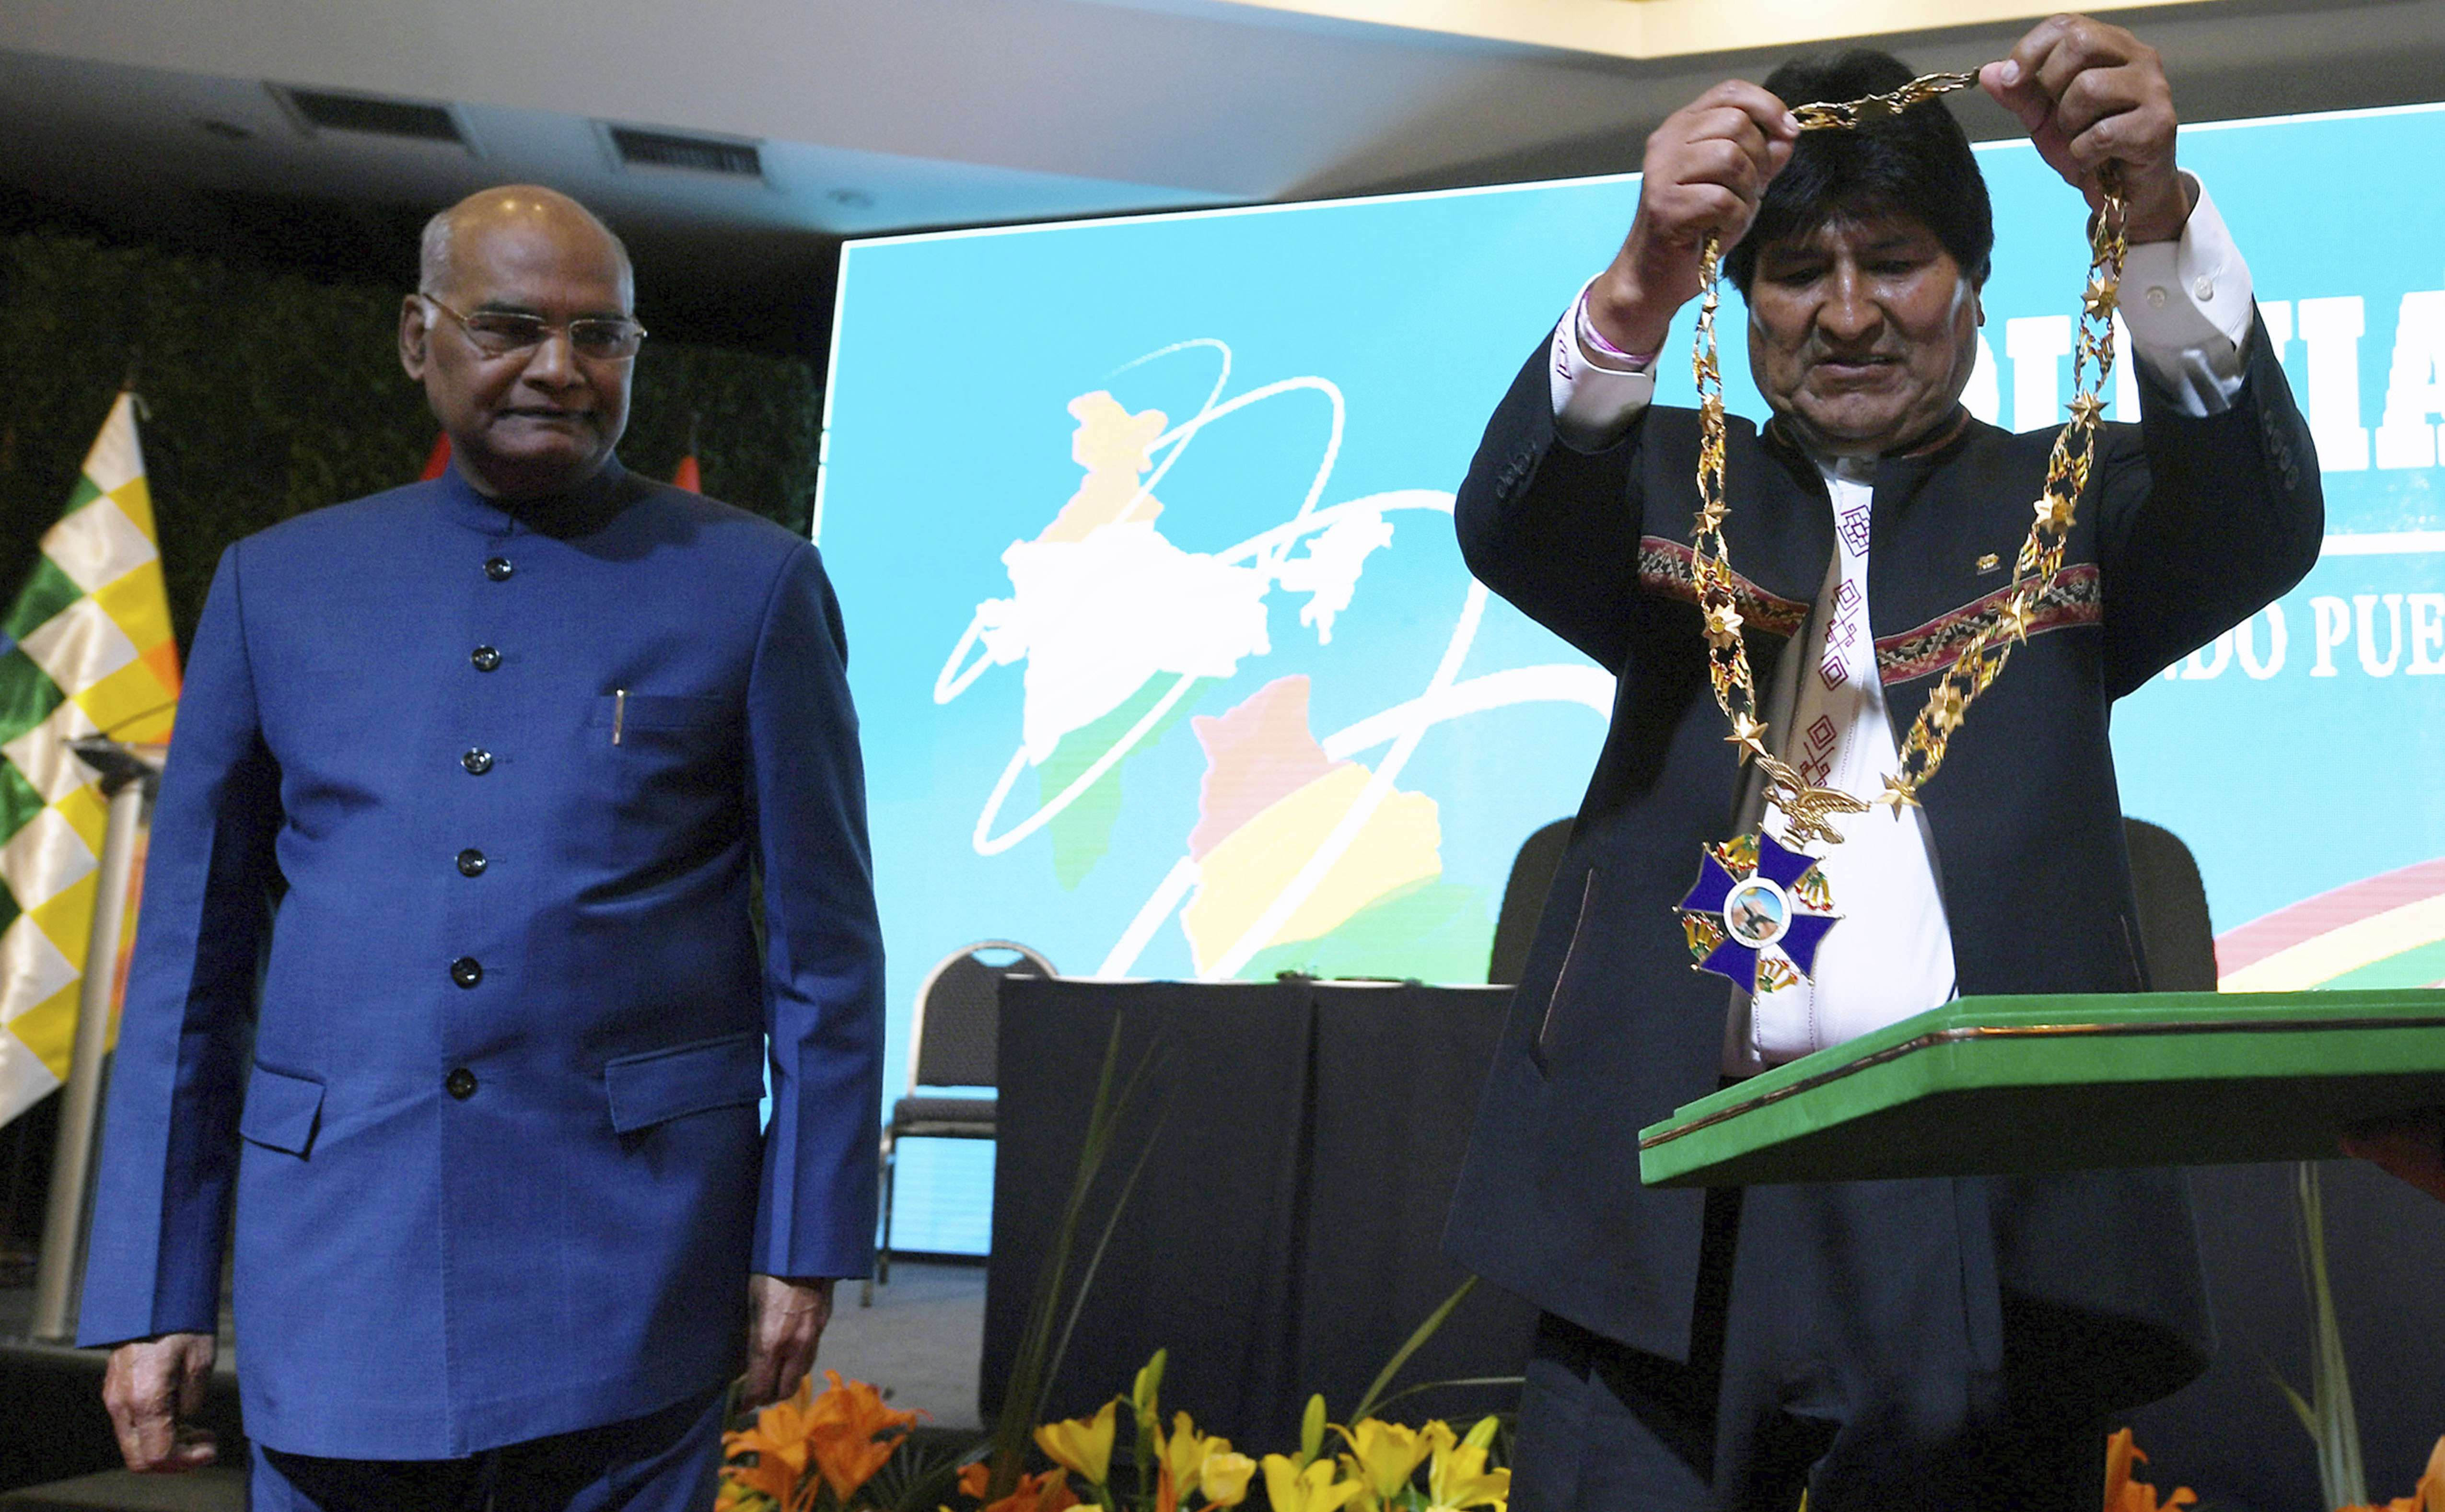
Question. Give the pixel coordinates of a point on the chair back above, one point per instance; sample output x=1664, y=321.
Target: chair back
x=2175, y=938
x=1523, y=901
x=958, y=1013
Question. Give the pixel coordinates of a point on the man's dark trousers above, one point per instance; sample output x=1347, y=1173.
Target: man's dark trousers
x=1848, y=1339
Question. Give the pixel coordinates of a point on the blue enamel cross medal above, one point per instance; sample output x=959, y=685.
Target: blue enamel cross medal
x=1757, y=913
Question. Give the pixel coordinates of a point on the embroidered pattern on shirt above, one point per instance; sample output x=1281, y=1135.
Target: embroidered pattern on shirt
x=1816, y=749
x=2076, y=596
x=1664, y=568
x=1833, y=671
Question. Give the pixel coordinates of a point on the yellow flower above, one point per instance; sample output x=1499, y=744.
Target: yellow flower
x=1080, y=1444
x=1314, y=1489
x=1223, y=1477
x=734, y=1497
x=1387, y=1454
x=1182, y=1455
x=1458, y=1477
x=2124, y=1494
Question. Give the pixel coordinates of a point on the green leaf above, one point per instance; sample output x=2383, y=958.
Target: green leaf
x=1417, y=1339
x=1455, y=1381
x=2333, y=1426
x=1038, y=1359
x=918, y=1478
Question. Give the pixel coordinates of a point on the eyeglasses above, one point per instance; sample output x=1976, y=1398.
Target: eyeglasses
x=503, y=333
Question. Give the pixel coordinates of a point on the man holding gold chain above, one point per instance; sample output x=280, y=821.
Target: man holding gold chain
x=1944, y=1343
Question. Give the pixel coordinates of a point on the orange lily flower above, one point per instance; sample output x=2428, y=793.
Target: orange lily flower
x=841, y=1433
x=1045, y=1491
x=778, y=1441
x=2124, y=1494
x=975, y=1479
x=850, y=1433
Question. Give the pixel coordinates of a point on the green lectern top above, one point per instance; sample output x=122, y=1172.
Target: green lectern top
x=2003, y=1085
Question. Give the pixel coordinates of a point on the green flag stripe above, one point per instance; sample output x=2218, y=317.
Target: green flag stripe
x=28, y=696
x=47, y=590
x=83, y=493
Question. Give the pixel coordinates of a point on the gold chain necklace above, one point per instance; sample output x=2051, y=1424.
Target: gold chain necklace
x=1761, y=907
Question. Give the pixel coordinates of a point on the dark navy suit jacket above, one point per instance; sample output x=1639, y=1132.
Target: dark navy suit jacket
x=479, y=800
x=2188, y=526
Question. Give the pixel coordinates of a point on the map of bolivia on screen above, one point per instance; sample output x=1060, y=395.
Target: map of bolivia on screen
x=1169, y=665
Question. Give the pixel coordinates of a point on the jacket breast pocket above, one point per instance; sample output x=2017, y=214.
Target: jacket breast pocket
x=661, y=765
x=657, y=1086
x=655, y=718
x=282, y=1111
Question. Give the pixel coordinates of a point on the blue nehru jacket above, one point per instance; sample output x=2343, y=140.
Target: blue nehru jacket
x=479, y=800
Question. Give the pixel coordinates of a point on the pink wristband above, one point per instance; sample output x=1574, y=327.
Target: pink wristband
x=1595, y=338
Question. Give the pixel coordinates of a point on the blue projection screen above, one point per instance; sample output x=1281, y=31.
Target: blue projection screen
x=1169, y=666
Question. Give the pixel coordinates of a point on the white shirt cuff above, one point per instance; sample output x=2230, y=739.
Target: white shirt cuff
x=2189, y=306
x=1592, y=405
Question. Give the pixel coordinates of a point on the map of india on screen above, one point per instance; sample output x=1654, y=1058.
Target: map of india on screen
x=1168, y=663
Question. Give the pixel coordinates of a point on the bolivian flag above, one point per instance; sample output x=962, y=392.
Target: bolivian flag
x=86, y=649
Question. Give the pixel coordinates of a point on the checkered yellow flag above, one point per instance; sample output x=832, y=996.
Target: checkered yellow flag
x=86, y=648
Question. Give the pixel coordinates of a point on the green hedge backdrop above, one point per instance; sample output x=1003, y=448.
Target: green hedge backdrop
x=270, y=394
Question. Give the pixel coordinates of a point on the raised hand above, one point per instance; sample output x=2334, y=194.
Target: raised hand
x=2090, y=94
x=1706, y=168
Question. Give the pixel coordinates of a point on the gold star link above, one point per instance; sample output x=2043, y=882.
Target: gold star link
x=1749, y=735
x=1897, y=793
x=2013, y=620
x=2087, y=409
x=2099, y=298
x=1711, y=517
x=2053, y=514
x=1947, y=706
x=1723, y=626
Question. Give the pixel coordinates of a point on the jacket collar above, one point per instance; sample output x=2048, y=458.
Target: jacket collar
x=582, y=510
x=1936, y=446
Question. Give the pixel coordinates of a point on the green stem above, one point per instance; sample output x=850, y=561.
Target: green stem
x=2341, y=1474
x=1374, y=1394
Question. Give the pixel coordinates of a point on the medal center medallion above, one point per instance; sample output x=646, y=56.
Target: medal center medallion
x=1757, y=913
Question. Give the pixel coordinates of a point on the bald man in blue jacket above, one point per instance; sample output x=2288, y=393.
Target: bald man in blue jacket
x=475, y=778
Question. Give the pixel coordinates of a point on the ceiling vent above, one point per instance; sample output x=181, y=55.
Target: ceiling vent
x=726, y=156
x=373, y=116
